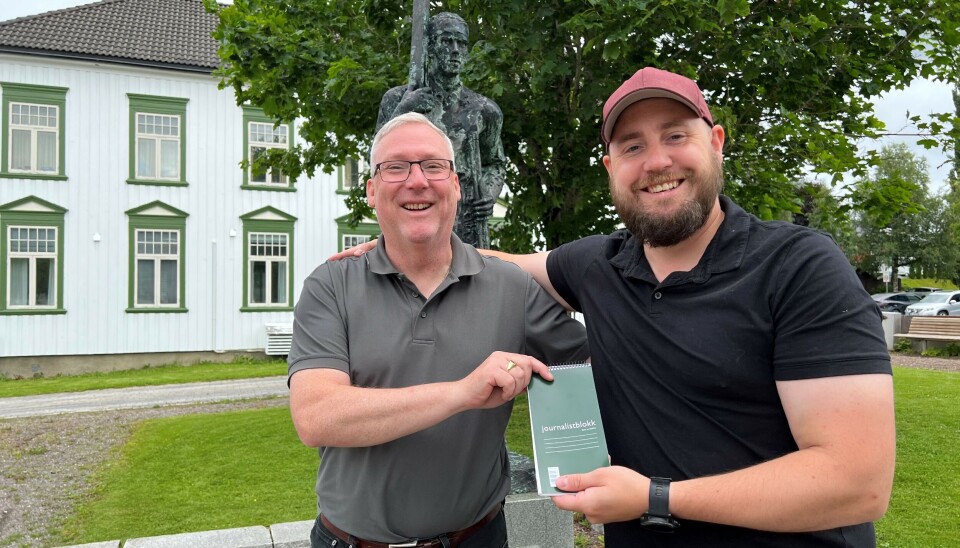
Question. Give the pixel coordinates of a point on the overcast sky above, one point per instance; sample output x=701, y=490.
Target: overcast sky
x=922, y=97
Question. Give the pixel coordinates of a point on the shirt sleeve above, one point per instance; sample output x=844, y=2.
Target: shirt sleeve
x=567, y=265
x=319, y=330
x=552, y=335
x=825, y=322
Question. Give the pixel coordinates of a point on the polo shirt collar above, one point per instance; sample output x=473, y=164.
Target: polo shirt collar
x=725, y=251
x=466, y=260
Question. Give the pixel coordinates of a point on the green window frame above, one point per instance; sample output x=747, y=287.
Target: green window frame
x=32, y=111
x=156, y=237
x=260, y=131
x=158, y=129
x=351, y=173
x=29, y=227
x=268, y=246
x=368, y=229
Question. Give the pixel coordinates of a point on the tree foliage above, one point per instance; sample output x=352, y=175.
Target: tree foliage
x=951, y=225
x=899, y=222
x=822, y=210
x=791, y=82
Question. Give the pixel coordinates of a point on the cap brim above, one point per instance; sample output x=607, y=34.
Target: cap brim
x=639, y=95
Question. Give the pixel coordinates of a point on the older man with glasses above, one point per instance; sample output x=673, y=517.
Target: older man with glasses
x=405, y=362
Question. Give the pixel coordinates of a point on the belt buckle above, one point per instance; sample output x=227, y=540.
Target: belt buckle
x=404, y=545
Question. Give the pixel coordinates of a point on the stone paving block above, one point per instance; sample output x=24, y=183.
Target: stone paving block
x=295, y=534
x=243, y=537
x=534, y=522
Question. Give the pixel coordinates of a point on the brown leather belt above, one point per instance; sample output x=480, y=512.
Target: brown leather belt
x=455, y=538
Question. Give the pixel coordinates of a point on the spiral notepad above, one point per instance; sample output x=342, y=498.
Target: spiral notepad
x=566, y=425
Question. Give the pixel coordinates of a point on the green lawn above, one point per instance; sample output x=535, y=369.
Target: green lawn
x=245, y=468
x=147, y=376
x=203, y=472
x=909, y=283
x=925, y=507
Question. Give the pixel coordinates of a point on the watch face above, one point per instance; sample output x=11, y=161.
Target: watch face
x=660, y=524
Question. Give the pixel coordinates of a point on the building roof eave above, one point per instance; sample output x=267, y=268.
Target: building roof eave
x=106, y=59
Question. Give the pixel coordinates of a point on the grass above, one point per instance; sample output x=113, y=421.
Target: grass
x=925, y=506
x=147, y=376
x=909, y=283
x=206, y=472
x=201, y=472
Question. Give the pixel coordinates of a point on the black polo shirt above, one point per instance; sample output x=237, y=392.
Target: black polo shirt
x=686, y=368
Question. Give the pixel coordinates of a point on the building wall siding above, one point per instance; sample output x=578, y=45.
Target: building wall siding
x=97, y=196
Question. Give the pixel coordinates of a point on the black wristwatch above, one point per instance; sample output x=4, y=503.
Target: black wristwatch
x=658, y=516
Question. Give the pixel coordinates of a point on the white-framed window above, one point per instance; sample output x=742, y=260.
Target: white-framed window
x=354, y=171
x=34, y=138
x=31, y=267
x=31, y=257
x=157, y=262
x=351, y=240
x=156, y=267
x=33, y=131
x=158, y=133
x=268, y=256
x=261, y=137
x=158, y=146
x=351, y=234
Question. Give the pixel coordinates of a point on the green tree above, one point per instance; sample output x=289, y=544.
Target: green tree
x=791, y=82
x=822, y=210
x=951, y=228
x=899, y=223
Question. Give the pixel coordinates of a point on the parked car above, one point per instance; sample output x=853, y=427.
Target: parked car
x=938, y=303
x=926, y=290
x=896, y=302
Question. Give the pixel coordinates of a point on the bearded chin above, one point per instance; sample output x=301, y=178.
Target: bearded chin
x=660, y=231
x=663, y=232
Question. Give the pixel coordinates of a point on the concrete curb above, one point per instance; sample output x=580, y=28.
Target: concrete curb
x=532, y=522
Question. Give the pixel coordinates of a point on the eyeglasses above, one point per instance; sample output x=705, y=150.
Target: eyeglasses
x=397, y=171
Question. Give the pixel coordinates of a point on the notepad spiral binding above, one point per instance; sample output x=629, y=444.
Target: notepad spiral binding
x=567, y=365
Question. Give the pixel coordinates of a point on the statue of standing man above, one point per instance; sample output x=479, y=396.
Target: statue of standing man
x=471, y=121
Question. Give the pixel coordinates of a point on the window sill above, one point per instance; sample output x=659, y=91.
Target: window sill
x=156, y=310
x=155, y=182
x=269, y=188
x=266, y=309
x=40, y=176
x=31, y=311
x=343, y=192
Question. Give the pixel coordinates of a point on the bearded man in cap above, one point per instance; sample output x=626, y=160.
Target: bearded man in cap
x=740, y=409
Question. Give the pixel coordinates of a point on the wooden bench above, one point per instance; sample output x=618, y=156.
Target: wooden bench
x=932, y=328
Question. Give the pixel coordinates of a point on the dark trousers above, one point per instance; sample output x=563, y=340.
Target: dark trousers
x=492, y=535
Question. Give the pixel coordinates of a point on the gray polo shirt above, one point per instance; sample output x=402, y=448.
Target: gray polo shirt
x=361, y=316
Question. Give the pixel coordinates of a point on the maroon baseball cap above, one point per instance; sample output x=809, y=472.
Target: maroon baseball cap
x=648, y=83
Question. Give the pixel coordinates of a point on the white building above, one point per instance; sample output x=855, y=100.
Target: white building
x=128, y=232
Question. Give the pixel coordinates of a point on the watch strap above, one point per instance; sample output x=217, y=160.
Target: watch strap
x=659, y=497
x=658, y=518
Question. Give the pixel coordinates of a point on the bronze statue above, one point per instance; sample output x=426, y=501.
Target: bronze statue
x=471, y=120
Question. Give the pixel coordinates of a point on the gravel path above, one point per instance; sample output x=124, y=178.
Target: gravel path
x=46, y=462
x=937, y=364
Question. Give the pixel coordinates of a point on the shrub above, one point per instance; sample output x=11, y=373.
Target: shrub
x=904, y=346
x=949, y=350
